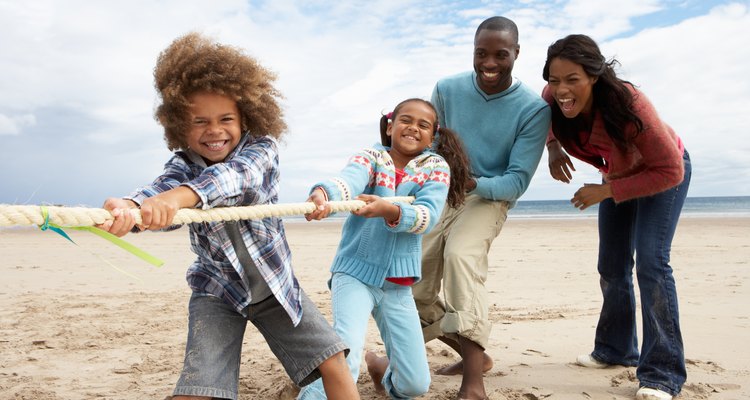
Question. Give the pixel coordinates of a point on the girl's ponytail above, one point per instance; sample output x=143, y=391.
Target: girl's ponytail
x=450, y=147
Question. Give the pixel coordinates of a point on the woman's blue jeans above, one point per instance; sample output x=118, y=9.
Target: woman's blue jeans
x=644, y=226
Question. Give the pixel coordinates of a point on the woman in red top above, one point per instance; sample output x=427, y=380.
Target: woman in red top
x=608, y=123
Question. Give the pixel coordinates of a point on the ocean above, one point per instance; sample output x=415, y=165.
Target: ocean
x=737, y=206
x=728, y=206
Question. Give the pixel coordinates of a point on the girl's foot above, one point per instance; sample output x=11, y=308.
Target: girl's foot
x=376, y=367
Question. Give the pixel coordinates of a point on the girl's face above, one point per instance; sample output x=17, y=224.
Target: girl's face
x=214, y=127
x=571, y=87
x=411, y=130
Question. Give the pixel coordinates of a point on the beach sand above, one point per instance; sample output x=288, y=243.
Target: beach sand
x=72, y=327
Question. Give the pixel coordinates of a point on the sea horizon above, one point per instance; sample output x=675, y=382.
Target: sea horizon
x=700, y=206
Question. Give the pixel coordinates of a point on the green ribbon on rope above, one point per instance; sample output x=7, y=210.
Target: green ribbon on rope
x=104, y=235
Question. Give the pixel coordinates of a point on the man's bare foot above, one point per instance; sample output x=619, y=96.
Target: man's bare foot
x=458, y=367
x=376, y=367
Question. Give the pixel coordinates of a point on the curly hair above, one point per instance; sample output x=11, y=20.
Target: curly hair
x=194, y=63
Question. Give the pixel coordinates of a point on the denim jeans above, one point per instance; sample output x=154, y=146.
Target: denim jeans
x=644, y=226
x=395, y=314
x=215, y=336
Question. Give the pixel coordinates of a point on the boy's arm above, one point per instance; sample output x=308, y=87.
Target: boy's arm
x=250, y=177
x=157, y=212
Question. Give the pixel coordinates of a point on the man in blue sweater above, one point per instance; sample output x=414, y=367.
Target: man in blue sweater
x=503, y=125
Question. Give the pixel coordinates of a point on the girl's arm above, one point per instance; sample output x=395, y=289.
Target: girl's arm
x=422, y=214
x=322, y=209
x=376, y=206
x=353, y=179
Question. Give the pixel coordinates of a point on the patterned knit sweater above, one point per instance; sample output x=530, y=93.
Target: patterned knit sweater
x=370, y=249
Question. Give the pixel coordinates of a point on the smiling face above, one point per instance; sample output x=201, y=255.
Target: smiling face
x=411, y=131
x=495, y=52
x=571, y=87
x=214, y=126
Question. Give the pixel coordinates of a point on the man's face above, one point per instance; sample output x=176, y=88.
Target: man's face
x=494, y=55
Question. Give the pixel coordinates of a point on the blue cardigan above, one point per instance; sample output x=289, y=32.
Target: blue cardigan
x=371, y=250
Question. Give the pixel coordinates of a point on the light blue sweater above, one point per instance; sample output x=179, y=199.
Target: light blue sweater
x=371, y=250
x=503, y=134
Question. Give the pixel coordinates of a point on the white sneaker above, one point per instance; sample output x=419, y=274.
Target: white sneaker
x=585, y=360
x=645, y=393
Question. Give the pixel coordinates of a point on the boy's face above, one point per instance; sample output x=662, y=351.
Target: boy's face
x=214, y=126
x=495, y=52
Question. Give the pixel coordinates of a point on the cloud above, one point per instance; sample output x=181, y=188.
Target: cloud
x=12, y=125
x=78, y=89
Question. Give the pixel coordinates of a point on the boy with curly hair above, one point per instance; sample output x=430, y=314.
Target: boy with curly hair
x=221, y=117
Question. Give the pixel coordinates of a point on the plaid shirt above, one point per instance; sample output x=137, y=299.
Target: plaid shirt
x=248, y=176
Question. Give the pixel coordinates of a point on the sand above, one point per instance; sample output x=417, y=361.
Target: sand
x=72, y=327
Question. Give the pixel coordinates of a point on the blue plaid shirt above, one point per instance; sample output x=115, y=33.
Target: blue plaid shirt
x=248, y=176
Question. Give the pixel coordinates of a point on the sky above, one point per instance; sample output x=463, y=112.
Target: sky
x=77, y=95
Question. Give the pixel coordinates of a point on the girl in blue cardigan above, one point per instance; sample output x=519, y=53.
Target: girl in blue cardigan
x=379, y=256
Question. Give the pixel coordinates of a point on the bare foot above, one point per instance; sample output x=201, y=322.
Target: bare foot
x=458, y=368
x=376, y=367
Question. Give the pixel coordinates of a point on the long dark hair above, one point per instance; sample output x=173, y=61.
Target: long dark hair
x=447, y=144
x=612, y=97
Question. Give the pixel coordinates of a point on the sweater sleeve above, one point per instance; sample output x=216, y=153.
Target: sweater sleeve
x=352, y=180
x=429, y=200
x=661, y=156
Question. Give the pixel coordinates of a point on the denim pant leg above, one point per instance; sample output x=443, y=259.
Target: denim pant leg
x=352, y=301
x=662, y=361
x=212, y=354
x=616, y=340
x=408, y=374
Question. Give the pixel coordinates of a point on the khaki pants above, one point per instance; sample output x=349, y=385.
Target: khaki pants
x=455, y=254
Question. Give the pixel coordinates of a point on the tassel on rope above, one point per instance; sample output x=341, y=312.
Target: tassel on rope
x=104, y=235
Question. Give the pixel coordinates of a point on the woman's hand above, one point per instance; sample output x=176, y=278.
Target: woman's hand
x=322, y=208
x=559, y=163
x=590, y=194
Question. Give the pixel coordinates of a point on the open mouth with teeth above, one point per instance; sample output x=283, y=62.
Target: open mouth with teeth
x=216, y=146
x=566, y=104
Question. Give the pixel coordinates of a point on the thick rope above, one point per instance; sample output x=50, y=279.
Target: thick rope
x=15, y=215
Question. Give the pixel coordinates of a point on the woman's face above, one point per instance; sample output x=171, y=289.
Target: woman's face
x=571, y=87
